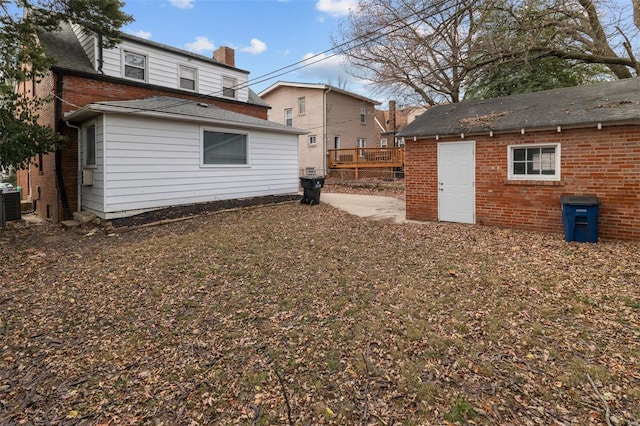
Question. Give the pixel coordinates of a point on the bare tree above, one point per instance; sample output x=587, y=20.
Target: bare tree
x=413, y=47
x=588, y=31
x=432, y=48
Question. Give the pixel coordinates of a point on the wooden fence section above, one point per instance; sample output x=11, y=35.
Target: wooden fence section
x=366, y=158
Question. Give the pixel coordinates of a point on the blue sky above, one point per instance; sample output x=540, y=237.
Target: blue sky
x=266, y=34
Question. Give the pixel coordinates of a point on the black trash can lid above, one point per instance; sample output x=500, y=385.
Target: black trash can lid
x=580, y=200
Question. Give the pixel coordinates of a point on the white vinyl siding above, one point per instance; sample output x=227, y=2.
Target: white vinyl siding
x=155, y=163
x=162, y=69
x=88, y=43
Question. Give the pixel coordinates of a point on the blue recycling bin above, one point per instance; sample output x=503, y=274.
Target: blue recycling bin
x=580, y=218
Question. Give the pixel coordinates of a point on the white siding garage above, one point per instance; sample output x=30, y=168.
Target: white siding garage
x=149, y=157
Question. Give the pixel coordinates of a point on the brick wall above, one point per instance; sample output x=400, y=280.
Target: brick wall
x=604, y=163
x=79, y=91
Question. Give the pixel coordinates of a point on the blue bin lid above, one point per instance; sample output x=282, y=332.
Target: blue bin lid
x=580, y=200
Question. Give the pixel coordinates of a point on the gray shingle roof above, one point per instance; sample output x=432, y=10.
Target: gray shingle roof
x=64, y=47
x=609, y=102
x=180, y=109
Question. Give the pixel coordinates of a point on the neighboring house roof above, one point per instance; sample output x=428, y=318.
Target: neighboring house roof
x=329, y=87
x=181, y=110
x=64, y=47
x=610, y=102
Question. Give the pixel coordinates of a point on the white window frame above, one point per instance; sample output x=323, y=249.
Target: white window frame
x=313, y=141
x=310, y=171
x=145, y=69
x=302, y=105
x=225, y=87
x=361, y=143
x=87, y=162
x=288, y=117
x=231, y=131
x=195, y=77
x=383, y=143
x=363, y=114
x=541, y=177
x=400, y=141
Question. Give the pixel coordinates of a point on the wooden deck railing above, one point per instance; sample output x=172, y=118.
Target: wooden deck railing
x=366, y=157
x=356, y=158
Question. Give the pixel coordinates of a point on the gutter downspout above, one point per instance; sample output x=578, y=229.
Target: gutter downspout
x=325, y=139
x=100, y=55
x=62, y=190
x=79, y=172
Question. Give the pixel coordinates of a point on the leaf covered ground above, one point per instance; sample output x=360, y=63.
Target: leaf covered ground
x=291, y=314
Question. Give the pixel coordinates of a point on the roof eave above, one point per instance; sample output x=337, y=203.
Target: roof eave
x=92, y=110
x=521, y=130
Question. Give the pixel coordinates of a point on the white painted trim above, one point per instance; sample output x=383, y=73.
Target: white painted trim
x=123, y=52
x=105, y=156
x=511, y=176
x=195, y=83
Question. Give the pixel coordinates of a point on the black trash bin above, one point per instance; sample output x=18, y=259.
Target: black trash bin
x=311, y=187
x=580, y=218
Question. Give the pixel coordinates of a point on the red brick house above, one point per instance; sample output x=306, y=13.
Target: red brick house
x=192, y=131
x=507, y=161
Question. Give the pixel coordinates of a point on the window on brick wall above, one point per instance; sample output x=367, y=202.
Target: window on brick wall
x=534, y=162
x=288, y=117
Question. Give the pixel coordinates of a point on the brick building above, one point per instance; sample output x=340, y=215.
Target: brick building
x=507, y=161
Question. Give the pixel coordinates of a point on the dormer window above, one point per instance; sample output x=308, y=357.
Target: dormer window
x=187, y=78
x=135, y=66
x=229, y=87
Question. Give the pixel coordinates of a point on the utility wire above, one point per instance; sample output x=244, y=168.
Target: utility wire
x=361, y=40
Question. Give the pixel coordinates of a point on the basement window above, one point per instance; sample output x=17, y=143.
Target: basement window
x=534, y=162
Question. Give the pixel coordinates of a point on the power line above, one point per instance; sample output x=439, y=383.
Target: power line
x=361, y=40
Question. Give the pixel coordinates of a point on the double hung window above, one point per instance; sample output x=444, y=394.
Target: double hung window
x=135, y=66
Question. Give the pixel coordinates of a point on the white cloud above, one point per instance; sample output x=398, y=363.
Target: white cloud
x=257, y=47
x=336, y=8
x=200, y=44
x=327, y=69
x=142, y=34
x=182, y=4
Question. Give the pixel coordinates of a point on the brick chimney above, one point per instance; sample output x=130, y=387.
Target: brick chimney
x=226, y=55
x=392, y=116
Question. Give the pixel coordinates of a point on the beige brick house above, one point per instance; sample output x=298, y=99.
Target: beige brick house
x=334, y=119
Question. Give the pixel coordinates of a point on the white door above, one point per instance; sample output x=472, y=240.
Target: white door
x=456, y=182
